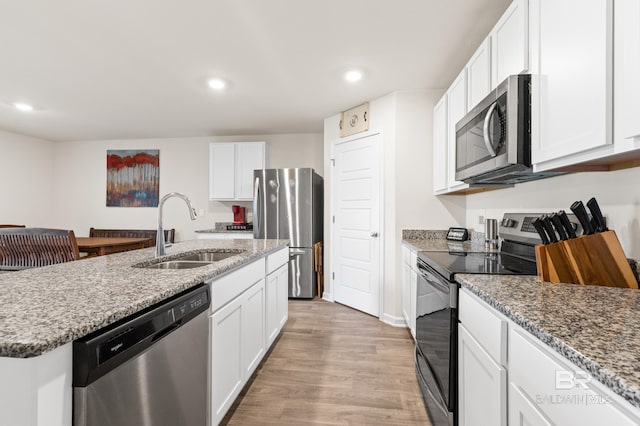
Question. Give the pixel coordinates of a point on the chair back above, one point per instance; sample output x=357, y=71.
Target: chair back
x=169, y=234
x=24, y=248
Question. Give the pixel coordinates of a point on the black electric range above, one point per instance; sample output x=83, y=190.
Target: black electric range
x=437, y=307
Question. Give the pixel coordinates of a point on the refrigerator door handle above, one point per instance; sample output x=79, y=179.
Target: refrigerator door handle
x=295, y=253
x=256, y=192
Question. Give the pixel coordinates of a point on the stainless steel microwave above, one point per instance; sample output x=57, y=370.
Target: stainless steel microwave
x=493, y=141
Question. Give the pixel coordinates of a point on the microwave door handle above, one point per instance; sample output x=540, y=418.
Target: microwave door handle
x=485, y=130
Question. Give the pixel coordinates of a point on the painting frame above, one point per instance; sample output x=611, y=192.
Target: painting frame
x=133, y=178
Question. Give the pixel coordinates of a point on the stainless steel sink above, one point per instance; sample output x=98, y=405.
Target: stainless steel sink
x=209, y=256
x=178, y=264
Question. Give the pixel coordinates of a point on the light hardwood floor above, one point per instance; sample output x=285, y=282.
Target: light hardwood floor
x=333, y=365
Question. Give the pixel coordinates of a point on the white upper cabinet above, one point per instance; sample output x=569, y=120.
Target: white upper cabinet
x=249, y=157
x=510, y=43
x=479, y=74
x=440, y=146
x=456, y=109
x=626, y=67
x=231, y=166
x=571, y=67
x=503, y=52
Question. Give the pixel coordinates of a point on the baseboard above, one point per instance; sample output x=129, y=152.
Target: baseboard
x=393, y=320
x=328, y=296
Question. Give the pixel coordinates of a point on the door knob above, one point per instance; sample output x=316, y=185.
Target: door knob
x=374, y=234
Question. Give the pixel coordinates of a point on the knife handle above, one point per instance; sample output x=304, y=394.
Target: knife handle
x=548, y=226
x=558, y=225
x=581, y=213
x=537, y=224
x=566, y=223
x=597, y=215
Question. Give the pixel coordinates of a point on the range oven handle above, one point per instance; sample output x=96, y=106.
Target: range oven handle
x=440, y=284
x=432, y=279
x=485, y=129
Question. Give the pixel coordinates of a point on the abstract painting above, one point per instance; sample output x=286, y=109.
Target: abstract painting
x=133, y=178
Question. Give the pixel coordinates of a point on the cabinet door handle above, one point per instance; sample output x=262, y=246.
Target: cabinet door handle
x=374, y=235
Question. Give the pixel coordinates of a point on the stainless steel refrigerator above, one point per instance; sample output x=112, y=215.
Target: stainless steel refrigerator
x=287, y=204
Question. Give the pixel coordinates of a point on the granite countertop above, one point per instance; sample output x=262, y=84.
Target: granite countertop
x=43, y=308
x=594, y=327
x=435, y=240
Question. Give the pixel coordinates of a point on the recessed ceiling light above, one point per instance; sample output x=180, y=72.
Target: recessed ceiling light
x=217, y=83
x=353, y=75
x=22, y=106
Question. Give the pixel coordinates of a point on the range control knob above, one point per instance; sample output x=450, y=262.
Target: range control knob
x=508, y=223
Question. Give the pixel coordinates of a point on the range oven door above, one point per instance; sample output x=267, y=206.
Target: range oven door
x=436, y=344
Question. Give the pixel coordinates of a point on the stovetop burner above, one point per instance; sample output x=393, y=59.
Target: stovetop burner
x=448, y=264
x=516, y=256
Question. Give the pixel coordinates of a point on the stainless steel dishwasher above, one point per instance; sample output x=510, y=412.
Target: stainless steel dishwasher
x=149, y=369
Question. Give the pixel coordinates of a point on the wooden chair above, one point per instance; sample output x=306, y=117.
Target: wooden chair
x=24, y=248
x=169, y=234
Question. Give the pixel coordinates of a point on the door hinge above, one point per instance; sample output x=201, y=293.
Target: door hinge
x=333, y=161
x=333, y=275
x=333, y=219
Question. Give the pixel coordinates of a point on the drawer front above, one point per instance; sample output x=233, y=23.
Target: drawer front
x=277, y=259
x=559, y=389
x=489, y=329
x=229, y=286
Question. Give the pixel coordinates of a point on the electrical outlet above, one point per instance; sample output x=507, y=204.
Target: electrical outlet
x=481, y=220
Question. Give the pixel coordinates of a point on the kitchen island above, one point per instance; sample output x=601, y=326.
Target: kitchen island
x=45, y=309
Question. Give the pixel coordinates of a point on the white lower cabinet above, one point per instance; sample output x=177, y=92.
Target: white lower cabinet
x=227, y=371
x=409, y=287
x=522, y=411
x=237, y=347
x=249, y=307
x=561, y=391
x=482, y=377
x=543, y=387
x=483, y=384
x=253, y=328
x=277, y=291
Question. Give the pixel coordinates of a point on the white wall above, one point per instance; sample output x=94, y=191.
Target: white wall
x=618, y=193
x=405, y=120
x=26, y=187
x=80, y=180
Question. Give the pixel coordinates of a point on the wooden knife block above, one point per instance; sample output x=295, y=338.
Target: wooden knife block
x=596, y=259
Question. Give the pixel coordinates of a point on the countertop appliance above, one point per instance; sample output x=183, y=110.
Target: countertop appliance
x=493, y=140
x=238, y=215
x=437, y=307
x=149, y=369
x=288, y=205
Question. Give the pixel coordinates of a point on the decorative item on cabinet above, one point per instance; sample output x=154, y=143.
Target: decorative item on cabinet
x=354, y=120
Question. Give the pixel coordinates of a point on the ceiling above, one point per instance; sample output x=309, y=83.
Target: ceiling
x=96, y=69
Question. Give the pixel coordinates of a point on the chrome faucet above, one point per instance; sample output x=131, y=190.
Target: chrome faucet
x=160, y=246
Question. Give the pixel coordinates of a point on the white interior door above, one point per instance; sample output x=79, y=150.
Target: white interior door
x=356, y=223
